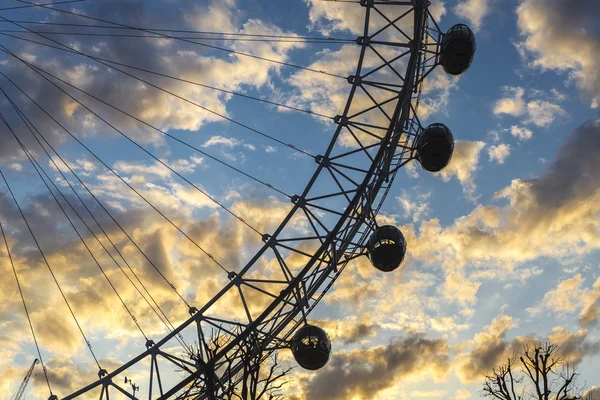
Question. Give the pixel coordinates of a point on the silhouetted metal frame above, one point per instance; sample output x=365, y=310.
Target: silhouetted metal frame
x=337, y=246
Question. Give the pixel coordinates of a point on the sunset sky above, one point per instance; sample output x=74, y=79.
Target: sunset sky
x=503, y=244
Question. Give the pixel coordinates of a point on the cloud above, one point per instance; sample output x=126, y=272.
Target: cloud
x=499, y=153
x=223, y=141
x=513, y=104
x=218, y=16
x=462, y=394
x=590, y=314
x=416, y=207
x=67, y=376
x=459, y=288
x=488, y=349
x=592, y=393
x=169, y=57
x=101, y=316
x=574, y=346
x=570, y=296
x=228, y=142
x=559, y=37
x=473, y=10
x=562, y=203
x=543, y=113
x=145, y=171
x=420, y=394
x=327, y=18
x=521, y=133
x=566, y=297
x=351, y=329
x=366, y=372
x=158, y=185
x=463, y=164
x=435, y=96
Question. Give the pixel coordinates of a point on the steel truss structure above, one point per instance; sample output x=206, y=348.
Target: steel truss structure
x=375, y=137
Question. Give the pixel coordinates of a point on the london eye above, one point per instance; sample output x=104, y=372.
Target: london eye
x=261, y=303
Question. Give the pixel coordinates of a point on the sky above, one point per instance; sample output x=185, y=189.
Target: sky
x=503, y=244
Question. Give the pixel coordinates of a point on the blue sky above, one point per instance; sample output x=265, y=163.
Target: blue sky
x=502, y=244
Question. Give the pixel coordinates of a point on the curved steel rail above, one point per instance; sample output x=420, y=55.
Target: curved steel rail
x=337, y=245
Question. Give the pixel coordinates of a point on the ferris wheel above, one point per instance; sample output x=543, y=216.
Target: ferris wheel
x=375, y=135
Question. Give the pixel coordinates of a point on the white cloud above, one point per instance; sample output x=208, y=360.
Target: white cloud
x=499, y=153
x=172, y=58
x=521, y=133
x=464, y=164
x=411, y=170
x=462, y=394
x=428, y=394
x=494, y=135
x=592, y=392
x=567, y=297
x=474, y=10
x=222, y=141
x=327, y=17
x=218, y=16
x=486, y=350
x=562, y=203
x=415, y=207
x=537, y=112
x=513, y=103
x=142, y=172
x=543, y=113
x=436, y=93
x=229, y=142
x=557, y=36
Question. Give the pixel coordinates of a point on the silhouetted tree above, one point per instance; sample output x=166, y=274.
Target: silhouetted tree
x=537, y=372
x=260, y=378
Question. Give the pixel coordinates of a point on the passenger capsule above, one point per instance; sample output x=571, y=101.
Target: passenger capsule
x=435, y=146
x=311, y=347
x=457, y=49
x=386, y=248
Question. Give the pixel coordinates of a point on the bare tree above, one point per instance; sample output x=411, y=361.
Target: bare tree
x=260, y=378
x=537, y=372
x=504, y=381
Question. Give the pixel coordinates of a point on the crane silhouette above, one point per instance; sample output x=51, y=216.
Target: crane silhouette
x=21, y=391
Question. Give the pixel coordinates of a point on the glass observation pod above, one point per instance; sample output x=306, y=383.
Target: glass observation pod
x=386, y=248
x=435, y=146
x=457, y=49
x=311, y=347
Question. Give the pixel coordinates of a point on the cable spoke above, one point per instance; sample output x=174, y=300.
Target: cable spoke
x=35, y=166
x=165, y=91
x=27, y=122
x=37, y=347
x=165, y=36
x=207, y=38
x=40, y=5
x=101, y=205
x=89, y=345
x=122, y=180
x=47, y=23
x=234, y=93
x=152, y=126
